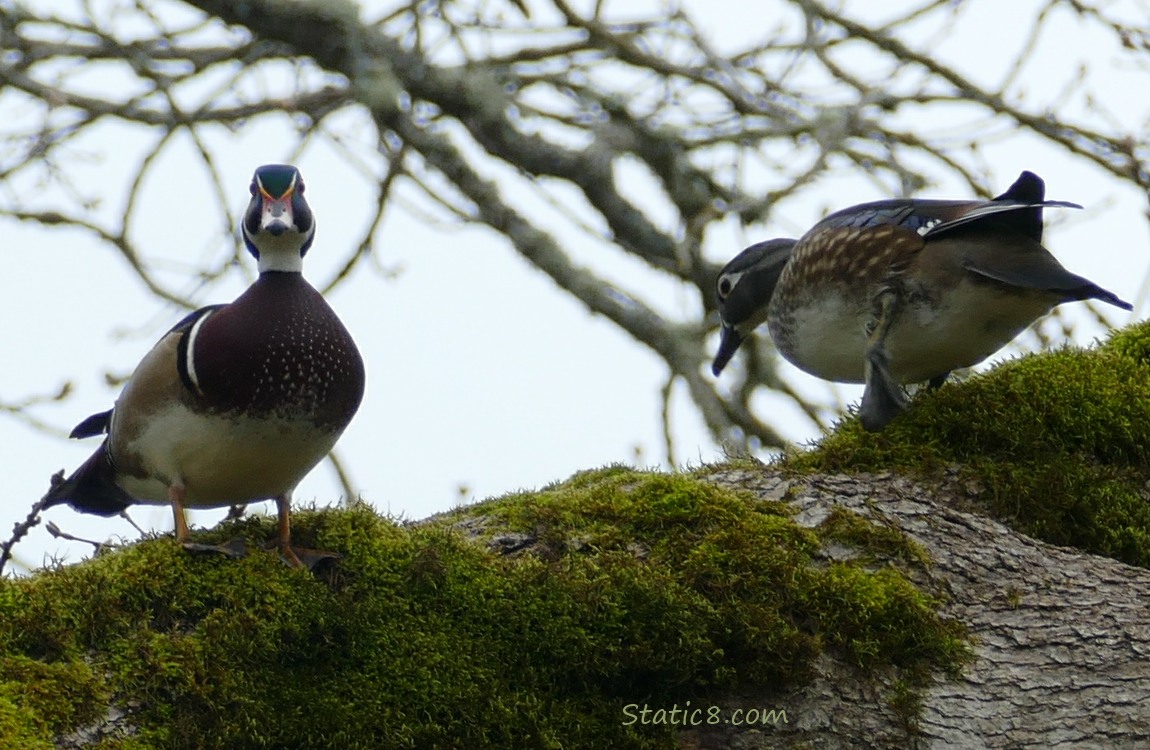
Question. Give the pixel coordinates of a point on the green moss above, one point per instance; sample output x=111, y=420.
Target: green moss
x=637, y=588
x=19, y=727
x=755, y=567
x=1058, y=444
x=36, y=696
x=879, y=541
x=54, y=694
x=906, y=700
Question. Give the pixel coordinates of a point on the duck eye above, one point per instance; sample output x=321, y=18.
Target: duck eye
x=299, y=187
x=724, y=287
x=252, y=188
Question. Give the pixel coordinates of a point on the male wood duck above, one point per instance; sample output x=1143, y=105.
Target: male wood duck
x=901, y=291
x=237, y=402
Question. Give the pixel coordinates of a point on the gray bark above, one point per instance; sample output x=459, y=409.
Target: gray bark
x=1062, y=638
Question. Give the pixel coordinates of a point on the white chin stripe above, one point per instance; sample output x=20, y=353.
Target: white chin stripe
x=281, y=253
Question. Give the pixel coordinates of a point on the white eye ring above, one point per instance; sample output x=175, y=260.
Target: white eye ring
x=727, y=283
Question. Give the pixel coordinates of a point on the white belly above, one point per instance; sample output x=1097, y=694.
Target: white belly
x=222, y=461
x=968, y=324
x=828, y=340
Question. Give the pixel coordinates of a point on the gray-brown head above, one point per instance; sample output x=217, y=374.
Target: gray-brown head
x=744, y=289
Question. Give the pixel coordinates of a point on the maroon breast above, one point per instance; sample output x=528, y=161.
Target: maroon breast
x=278, y=350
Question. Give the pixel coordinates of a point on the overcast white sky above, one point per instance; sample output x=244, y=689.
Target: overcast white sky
x=481, y=374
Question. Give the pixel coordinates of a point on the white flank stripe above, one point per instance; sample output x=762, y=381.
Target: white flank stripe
x=192, y=352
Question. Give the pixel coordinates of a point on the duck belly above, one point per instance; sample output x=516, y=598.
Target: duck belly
x=963, y=327
x=931, y=335
x=221, y=460
x=825, y=337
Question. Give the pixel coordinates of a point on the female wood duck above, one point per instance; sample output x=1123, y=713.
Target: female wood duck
x=901, y=291
x=237, y=402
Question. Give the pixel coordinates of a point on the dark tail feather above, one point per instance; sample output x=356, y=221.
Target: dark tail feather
x=97, y=424
x=1028, y=188
x=1024, y=218
x=1028, y=196
x=1093, y=291
x=92, y=488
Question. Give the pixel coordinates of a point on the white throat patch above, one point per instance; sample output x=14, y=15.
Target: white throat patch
x=280, y=253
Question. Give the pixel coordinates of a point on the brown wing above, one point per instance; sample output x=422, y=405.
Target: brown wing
x=855, y=256
x=154, y=386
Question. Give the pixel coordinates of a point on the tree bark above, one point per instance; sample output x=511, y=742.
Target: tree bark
x=1061, y=638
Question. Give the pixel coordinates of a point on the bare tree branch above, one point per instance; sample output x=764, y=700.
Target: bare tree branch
x=472, y=100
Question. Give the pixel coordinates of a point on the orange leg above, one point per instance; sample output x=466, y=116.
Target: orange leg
x=177, y=494
x=283, y=542
x=296, y=557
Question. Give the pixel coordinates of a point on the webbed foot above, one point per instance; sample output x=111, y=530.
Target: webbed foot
x=303, y=557
x=233, y=548
x=883, y=399
x=936, y=382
